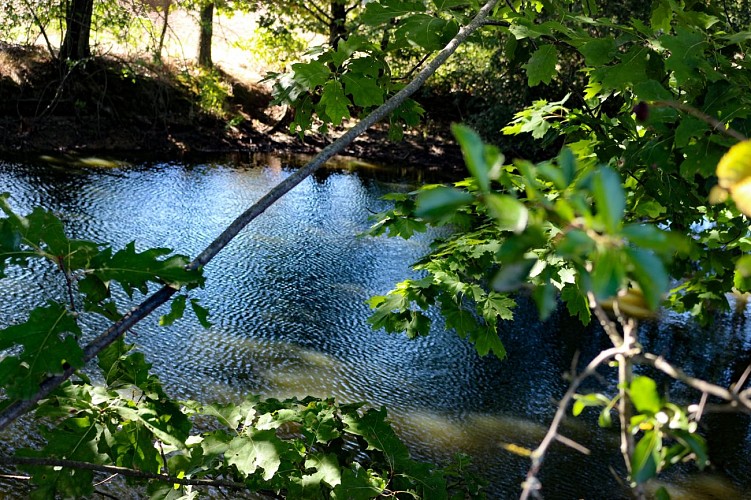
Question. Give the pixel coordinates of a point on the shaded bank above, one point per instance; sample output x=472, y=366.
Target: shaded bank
x=109, y=105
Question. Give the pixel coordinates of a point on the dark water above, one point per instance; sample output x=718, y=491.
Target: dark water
x=288, y=302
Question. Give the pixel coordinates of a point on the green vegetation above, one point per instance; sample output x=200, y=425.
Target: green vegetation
x=634, y=197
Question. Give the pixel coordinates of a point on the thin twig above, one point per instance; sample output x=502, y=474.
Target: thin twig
x=702, y=407
x=741, y=380
x=15, y=410
x=741, y=399
x=625, y=375
x=714, y=122
x=572, y=444
x=532, y=485
x=610, y=329
x=123, y=471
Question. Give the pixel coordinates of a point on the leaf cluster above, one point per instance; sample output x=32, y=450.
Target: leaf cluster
x=48, y=341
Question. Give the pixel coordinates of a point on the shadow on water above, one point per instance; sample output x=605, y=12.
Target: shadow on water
x=288, y=302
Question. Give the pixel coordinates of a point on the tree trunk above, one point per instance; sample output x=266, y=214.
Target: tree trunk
x=163, y=34
x=77, y=30
x=206, y=33
x=337, y=29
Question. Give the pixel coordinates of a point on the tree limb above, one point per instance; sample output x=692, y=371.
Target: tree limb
x=738, y=399
x=18, y=408
x=123, y=471
x=532, y=485
x=711, y=120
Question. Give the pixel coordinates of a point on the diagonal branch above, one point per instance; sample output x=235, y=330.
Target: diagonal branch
x=15, y=410
x=740, y=400
x=123, y=471
x=710, y=120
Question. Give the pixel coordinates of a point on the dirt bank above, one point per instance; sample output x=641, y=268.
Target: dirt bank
x=111, y=106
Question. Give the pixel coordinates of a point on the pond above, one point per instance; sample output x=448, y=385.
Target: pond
x=288, y=301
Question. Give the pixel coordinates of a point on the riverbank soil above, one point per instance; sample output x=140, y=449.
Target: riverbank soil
x=110, y=105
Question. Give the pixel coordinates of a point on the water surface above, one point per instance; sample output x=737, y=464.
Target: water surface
x=288, y=303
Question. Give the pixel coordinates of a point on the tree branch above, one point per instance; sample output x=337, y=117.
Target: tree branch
x=532, y=485
x=15, y=410
x=714, y=122
x=123, y=471
x=738, y=399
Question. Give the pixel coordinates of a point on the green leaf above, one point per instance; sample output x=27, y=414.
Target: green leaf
x=378, y=433
x=651, y=90
x=377, y=13
x=599, y=51
x=650, y=273
x=582, y=401
x=201, y=313
x=473, y=149
x=510, y=214
x=662, y=15
x=662, y=494
x=427, y=32
x=134, y=270
x=695, y=444
x=608, y=274
x=644, y=395
x=631, y=70
x=311, y=74
x=48, y=338
x=688, y=129
x=356, y=484
x=576, y=303
x=441, y=202
x=177, y=308
x=541, y=67
x=576, y=244
x=686, y=48
x=513, y=275
x=256, y=449
x=334, y=103
x=545, y=299
x=646, y=457
x=610, y=198
x=364, y=90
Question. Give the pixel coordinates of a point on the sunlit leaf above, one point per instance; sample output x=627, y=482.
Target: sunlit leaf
x=311, y=74
x=254, y=450
x=644, y=395
x=441, y=201
x=650, y=273
x=334, y=103
x=177, y=308
x=377, y=13
x=364, y=90
x=201, y=313
x=509, y=213
x=610, y=198
x=473, y=149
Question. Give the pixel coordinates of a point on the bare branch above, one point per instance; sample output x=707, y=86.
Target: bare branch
x=532, y=485
x=740, y=400
x=607, y=325
x=15, y=410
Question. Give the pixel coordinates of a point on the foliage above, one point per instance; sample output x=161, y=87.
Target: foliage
x=308, y=448
x=208, y=86
x=618, y=218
